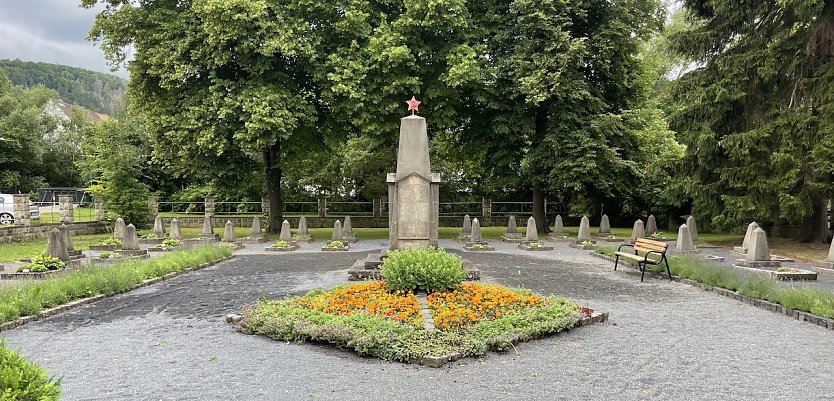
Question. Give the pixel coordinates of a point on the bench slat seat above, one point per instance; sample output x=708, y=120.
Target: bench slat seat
x=645, y=251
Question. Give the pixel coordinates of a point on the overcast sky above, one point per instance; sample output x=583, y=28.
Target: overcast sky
x=52, y=31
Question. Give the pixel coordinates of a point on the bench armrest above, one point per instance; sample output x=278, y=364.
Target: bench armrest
x=621, y=247
x=662, y=255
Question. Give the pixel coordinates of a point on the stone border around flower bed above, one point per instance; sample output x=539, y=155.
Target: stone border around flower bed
x=526, y=247
x=823, y=322
x=84, y=301
x=31, y=275
x=281, y=249
x=583, y=247
x=514, y=239
x=104, y=248
x=799, y=275
x=438, y=361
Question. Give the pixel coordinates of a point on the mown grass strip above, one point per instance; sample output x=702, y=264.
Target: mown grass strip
x=818, y=302
x=30, y=298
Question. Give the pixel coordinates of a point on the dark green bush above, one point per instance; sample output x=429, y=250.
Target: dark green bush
x=426, y=269
x=24, y=380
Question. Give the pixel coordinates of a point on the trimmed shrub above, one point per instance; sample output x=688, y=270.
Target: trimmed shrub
x=426, y=269
x=24, y=380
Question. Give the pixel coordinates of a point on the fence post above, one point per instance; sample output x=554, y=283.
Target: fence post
x=486, y=207
x=153, y=206
x=20, y=205
x=377, y=207
x=98, y=203
x=65, y=208
x=265, y=207
x=322, y=206
x=209, y=207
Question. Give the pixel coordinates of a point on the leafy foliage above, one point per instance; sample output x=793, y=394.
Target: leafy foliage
x=24, y=380
x=426, y=269
x=92, y=90
x=757, y=112
x=43, y=263
x=115, y=153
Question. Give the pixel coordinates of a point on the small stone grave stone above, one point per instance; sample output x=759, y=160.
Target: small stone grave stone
x=466, y=232
x=119, y=229
x=637, y=231
x=66, y=233
x=347, y=231
x=558, y=234
x=130, y=245
x=55, y=246
x=651, y=225
x=531, y=238
x=758, y=260
x=748, y=235
x=693, y=228
x=477, y=243
x=285, y=241
x=684, y=242
x=604, y=226
x=512, y=235
x=337, y=240
x=176, y=232
x=158, y=228
x=583, y=239
x=828, y=263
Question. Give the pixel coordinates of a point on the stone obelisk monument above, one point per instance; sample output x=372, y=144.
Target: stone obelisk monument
x=413, y=191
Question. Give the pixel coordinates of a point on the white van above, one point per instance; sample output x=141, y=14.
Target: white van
x=7, y=209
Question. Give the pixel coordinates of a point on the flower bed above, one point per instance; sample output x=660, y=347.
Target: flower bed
x=371, y=320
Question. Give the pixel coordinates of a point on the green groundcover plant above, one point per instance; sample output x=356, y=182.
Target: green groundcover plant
x=30, y=298
x=818, y=302
x=426, y=269
x=24, y=380
x=388, y=339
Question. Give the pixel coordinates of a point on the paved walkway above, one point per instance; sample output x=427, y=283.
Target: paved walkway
x=663, y=341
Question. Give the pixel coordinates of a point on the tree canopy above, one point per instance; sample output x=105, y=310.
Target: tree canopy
x=757, y=112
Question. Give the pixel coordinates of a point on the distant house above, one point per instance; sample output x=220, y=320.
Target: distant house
x=92, y=116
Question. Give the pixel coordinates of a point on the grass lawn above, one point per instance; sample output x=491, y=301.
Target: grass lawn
x=81, y=214
x=779, y=246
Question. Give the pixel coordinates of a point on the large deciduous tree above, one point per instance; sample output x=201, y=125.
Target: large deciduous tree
x=226, y=86
x=757, y=114
x=562, y=78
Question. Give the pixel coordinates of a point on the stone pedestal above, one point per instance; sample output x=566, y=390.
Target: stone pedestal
x=413, y=191
x=98, y=204
x=65, y=209
x=209, y=207
x=22, y=214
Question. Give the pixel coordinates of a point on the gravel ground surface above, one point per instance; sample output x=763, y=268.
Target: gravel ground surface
x=664, y=340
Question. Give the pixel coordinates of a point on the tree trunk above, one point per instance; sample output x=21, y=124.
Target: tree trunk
x=538, y=210
x=814, y=227
x=272, y=172
x=538, y=193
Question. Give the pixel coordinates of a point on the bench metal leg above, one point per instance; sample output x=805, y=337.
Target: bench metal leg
x=642, y=267
x=616, y=260
x=667, y=268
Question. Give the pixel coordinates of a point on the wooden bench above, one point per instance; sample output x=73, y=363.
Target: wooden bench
x=648, y=248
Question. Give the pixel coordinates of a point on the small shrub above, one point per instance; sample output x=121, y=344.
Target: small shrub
x=427, y=269
x=42, y=263
x=587, y=243
x=105, y=255
x=169, y=243
x=111, y=241
x=281, y=244
x=150, y=236
x=24, y=380
x=335, y=244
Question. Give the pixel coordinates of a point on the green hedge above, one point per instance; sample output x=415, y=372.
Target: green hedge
x=426, y=269
x=21, y=380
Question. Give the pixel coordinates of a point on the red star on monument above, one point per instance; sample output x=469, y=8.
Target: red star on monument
x=413, y=105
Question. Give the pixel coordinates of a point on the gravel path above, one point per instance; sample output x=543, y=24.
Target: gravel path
x=663, y=341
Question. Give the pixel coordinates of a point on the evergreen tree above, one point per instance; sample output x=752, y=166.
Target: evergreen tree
x=757, y=111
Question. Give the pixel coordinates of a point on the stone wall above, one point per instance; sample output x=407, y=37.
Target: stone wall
x=19, y=233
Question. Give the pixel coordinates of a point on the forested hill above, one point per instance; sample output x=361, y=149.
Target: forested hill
x=95, y=91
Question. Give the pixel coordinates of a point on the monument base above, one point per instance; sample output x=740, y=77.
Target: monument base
x=478, y=246
x=464, y=238
x=759, y=264
x=534, y=246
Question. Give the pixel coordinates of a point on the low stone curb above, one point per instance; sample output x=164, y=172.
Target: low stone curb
x=437, y=361
x=759, y=303
x=84, y=301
